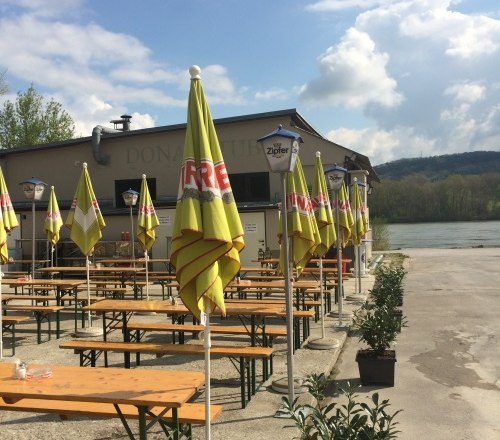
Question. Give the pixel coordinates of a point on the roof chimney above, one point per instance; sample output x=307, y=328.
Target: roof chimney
x=122, y=124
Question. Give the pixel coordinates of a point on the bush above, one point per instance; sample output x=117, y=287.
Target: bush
x=350, y=421
x=388, y=287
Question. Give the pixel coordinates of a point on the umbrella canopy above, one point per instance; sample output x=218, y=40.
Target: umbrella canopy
x=8, y=217
x=53, y=220
x=84, y=218
x=208, y=235
x=359, y=225
x=302, y=228
x=8, y=221
x=322, y=209
x=346, y=220
x=147, y=220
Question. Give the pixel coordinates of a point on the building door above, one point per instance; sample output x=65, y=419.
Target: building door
x=254, y=226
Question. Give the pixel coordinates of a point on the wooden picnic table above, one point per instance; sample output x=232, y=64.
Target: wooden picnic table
x=125, y=273
x=151, y=388
x=61, y=287
x=119, y=312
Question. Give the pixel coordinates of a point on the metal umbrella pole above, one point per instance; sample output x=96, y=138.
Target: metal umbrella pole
x=339, y=257
x=132, y=250
x=288, y=293
x=33, y=241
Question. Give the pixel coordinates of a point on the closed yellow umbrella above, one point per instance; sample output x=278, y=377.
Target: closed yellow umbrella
x=208, y=235
x=324, y=220
x=358, y=228
x=147, y=221
x=8, y=221
x=53, y=223
x=85, y=222
x=346, y=220
x=303, y=231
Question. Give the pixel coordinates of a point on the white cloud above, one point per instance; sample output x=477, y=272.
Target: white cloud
x=466, y=92
x=97, y=73
x=443, y=62
x=353, y=74
x=383, y=146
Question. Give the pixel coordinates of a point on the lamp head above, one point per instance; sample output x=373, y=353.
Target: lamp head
x=130, y=197
x=281, y=148
x=33, y=189
x=335, y=176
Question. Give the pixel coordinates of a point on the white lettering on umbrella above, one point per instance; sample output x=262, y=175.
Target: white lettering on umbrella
x=85, y=220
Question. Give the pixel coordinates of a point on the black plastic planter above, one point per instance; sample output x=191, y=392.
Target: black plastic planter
x=376, y=370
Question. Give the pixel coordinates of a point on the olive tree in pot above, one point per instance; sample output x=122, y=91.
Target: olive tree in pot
x=388, y=286
x=378, y=327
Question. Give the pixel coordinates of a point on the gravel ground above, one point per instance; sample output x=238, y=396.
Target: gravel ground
x=234, y=421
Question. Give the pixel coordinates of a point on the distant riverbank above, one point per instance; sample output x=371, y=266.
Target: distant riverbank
x=444, y=235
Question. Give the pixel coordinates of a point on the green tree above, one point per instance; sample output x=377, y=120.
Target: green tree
x=30, y=121
x=4, y=88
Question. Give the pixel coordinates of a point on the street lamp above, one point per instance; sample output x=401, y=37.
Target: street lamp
x=130, y=199
x=335, y=177
x=281, y=148
x=33, y=190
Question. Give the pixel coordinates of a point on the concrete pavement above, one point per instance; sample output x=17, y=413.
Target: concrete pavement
x=447, y=372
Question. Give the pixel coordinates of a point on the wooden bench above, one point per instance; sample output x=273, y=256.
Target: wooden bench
x=9, y=326
x=188, y=414
x=104, y=289
x=139, y=328
x=44, y=299
x=89, y=351
x=42, y=313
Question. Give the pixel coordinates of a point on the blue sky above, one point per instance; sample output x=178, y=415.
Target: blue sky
x=387, y=78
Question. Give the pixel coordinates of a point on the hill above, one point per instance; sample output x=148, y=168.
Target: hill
x=440, y=167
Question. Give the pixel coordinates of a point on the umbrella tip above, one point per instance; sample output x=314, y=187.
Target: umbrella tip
x=52, y=187
x=195, y=71
x=84, y=164
x=318, y=153
x=143, y=176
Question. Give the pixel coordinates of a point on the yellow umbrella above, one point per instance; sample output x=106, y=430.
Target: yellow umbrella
x=346, y=220
x=208, y=235
x=302, y=228
x=358, y=228
x=9, y=218
x=53, y=223
x=85, y=222
x=147, y=221
x=8, y=221
x=324, y=220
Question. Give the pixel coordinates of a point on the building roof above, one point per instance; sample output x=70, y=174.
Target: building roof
x=354, y=160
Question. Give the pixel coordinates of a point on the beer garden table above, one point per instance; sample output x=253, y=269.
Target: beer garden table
x=143, y=389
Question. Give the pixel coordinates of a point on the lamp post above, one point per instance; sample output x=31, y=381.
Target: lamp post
x=130, y=199
x=335, y=178
x=33, y=190
x=281, y=148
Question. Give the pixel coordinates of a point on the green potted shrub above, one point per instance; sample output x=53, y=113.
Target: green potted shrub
x=353, y=420
x=388, y=287
x=378, y=328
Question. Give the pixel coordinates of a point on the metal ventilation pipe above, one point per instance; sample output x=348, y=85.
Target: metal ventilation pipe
x=98, y=130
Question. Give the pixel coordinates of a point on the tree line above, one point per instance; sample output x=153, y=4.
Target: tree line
x=417, y=198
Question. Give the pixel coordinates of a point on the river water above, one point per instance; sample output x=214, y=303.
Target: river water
x=444, y=235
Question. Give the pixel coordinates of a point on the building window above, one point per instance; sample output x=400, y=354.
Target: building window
x=135, y=184
x=250, y=187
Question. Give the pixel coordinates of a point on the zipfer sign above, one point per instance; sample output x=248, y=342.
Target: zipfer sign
x=281, y=155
